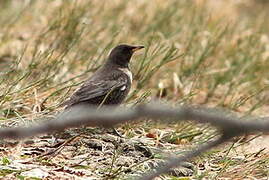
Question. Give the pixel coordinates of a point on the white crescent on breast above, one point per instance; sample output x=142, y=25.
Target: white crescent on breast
x=127, y=72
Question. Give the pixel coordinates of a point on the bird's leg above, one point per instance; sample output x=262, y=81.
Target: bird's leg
x=115, y=132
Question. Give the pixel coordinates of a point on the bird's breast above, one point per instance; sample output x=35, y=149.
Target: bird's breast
x=127, y=72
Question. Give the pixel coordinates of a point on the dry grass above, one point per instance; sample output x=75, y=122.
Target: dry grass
x=197, y=52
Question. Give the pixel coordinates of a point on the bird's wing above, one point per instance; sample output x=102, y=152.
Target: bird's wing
x=93, y=89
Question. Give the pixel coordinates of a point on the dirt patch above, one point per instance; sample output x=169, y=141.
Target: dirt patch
x=94, y=154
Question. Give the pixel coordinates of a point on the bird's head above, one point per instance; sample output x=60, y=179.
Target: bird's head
x=122, y=54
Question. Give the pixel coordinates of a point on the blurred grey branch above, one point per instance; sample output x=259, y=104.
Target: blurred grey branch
x=229, y=126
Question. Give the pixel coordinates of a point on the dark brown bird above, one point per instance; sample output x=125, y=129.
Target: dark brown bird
x=110, y=84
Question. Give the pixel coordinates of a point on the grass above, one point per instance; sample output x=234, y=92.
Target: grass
x=197, y=52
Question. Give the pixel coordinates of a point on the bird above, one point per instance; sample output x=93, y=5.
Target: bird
x=110, y=84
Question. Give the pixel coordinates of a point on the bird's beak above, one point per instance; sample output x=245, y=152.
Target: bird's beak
x=137, y=48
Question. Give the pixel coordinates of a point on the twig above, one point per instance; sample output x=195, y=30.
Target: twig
x=176, y=161
x=56, y=151
x=109, y=117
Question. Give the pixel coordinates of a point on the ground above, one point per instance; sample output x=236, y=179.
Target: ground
x=199, y=52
